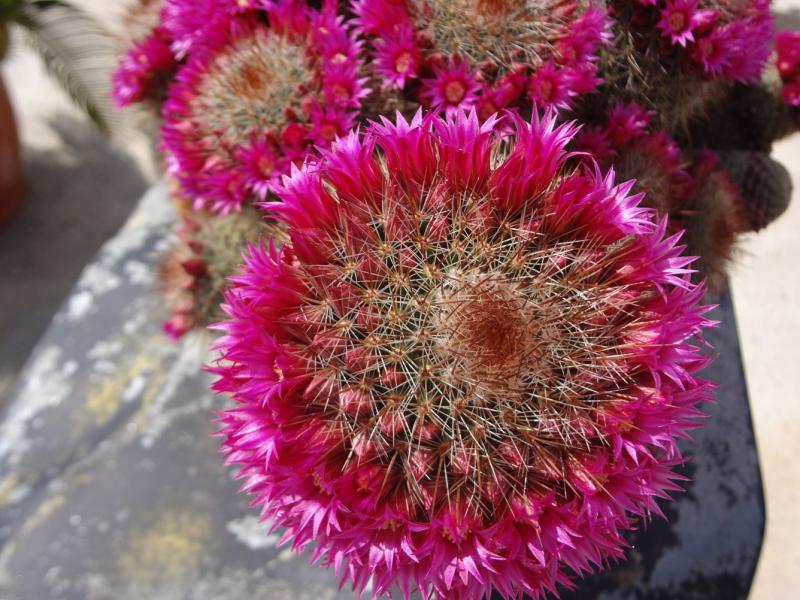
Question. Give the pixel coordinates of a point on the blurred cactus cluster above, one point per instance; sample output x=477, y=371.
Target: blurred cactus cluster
x=686, y=97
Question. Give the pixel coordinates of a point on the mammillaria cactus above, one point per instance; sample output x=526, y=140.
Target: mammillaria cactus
x=258, y=94
x=678, y=56
x=713, y=215
x=493, y=54
x=262, y=83
x=763, y=185
x=460, y=374
x=626, y=140
x=702, y=194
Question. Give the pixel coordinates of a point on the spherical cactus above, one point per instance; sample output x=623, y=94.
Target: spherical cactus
x=748, y=118
x=764, y=185
x=253, y=97
x=626, y=140
x=713, y=218
x=468, y=369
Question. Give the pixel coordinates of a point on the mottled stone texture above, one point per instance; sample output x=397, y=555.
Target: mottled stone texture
x=111, y=486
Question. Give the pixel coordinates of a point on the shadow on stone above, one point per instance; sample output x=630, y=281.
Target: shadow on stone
x=78, y=194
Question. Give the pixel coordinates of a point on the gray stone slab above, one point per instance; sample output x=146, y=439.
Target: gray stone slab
x=112, y=487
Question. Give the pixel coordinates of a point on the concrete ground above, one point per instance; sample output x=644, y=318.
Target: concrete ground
x=81, y=188
x=766, y=285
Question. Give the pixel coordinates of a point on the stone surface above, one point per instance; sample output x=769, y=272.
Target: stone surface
x=111, y=486
x=79, y=189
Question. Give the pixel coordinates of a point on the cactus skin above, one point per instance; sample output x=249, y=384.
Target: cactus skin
x=747, y=118
x=384, y=101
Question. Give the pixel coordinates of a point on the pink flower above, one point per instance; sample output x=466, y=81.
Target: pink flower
x=594, y=141
x=583, y=78
x=787, y=45
x=246, y=80
x=583, y=37
x=261, y=166
x=791, y=93
x=402, y=403
x=342, y=85
x=398, y=58
x=750, y=38
x=737, y=50
x=187, y=20
x=178, y=325
x=148, y=63
x=328, y=123
x=454, y=86
x=380, y=17
x=626, y=122
x=291, y=18
x=509, y=88
x=678, y=20
x=714, y=52
x=553, y=86
x=469, y=43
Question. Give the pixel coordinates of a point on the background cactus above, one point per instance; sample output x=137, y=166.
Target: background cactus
x=207, y=251
x=765, y=187
x=697, y=74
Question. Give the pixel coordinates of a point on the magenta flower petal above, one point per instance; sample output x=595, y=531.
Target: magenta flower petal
x=454, y=86
x=627, y=122
x=398, y=58
x=787, y=45
x=738, y=49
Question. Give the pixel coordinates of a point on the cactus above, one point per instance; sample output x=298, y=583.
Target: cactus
x=676, y=96
x=712, y=218
x=447, y=355
x=197, y=267
x=678, y=58
x=765, y=187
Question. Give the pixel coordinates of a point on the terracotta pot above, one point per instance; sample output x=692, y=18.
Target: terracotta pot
x=10, y=163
